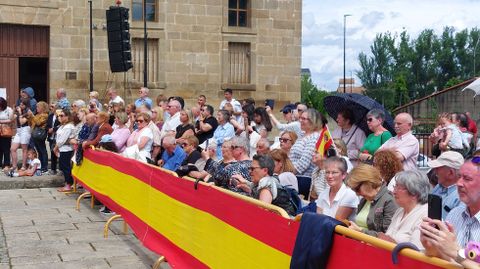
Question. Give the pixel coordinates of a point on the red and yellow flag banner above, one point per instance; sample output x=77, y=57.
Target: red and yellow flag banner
x=203, y=228
x=324, y=141
x=210, y=228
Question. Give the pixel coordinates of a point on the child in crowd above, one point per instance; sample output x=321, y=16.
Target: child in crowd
x=34, y=166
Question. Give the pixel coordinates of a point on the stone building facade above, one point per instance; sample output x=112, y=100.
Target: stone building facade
x=195, y=47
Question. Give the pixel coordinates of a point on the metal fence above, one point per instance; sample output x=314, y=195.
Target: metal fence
x=425, y=149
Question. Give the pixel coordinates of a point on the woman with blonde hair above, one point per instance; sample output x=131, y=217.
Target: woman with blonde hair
x=377, y=206
x=158, y=117
x=39, y=121
x=287, y=139
x=284, y=169
x=185, y=128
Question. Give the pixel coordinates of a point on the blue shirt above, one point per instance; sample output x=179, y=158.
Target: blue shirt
x=63, y=103
x=466, y=227
x=146, y=101
x=222, y=133
x=449, y=196
x=173, y=162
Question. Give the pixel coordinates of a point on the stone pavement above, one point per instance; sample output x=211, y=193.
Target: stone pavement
x=40, y=228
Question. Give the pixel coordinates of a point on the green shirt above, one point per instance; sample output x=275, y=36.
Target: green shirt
x=373, y=142
x=361, y=219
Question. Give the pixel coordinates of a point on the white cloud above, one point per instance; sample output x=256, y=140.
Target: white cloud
x=322, y=31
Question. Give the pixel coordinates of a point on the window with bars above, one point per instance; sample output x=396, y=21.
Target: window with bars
x=238, y=13
x=137, y=10
x=138, y=59
x=239, y=62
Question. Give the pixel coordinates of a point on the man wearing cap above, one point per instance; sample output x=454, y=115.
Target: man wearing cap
x=462, y=225
x=291, y=125
x=447, y=167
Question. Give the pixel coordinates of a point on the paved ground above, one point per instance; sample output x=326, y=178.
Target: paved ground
x=40, y=228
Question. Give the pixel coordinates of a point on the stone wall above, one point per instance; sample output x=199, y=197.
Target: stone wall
x=193, y=45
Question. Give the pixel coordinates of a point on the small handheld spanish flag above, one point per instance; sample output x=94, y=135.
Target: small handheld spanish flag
x=324, y=142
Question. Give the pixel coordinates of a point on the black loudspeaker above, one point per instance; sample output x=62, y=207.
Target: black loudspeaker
x=119, y=48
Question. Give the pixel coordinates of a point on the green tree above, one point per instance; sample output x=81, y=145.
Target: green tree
x=311, y=95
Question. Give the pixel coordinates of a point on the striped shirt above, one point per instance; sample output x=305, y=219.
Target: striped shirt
x=466, y=228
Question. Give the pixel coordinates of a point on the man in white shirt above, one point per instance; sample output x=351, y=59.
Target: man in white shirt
x=404, y=144
x=237, y=107
x=113, y=97
x=170, y=126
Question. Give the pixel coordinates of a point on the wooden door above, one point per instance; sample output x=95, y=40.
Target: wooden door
x=9, y=78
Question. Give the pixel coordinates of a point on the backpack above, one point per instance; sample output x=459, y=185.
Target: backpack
x=288, y=199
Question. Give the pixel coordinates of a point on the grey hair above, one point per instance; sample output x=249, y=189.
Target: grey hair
x=265, y=161
x=316, y=118
x=416, y=184
x=79, y=103
x=225, y=114
x=241, y=142
x=122, y=117
x=377, y=113
x=339, y=161
x=62, y=91
x=169, y=139
x=145, y=89
x=264, y=141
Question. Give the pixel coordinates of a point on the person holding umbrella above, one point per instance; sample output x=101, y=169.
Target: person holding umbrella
x=350, y=133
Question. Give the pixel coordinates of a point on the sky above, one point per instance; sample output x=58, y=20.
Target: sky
x=322, y=29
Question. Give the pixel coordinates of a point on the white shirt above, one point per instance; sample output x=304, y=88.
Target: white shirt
x=171, y=124
x=406, y=228
x=345, y=197
x=116, y=100
x=237, y=107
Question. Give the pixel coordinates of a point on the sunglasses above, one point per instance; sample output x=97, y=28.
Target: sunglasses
x=369, y=119
x=140, y=121
x=253, y=168
x=476, y=160
x=235, y=147
x=284, y=140
x=61, y=115
x=287, y=111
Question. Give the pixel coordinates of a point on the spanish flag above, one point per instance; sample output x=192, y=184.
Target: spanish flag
x=324, y=141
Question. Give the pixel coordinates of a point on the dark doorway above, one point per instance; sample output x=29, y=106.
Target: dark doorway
x=33, y=72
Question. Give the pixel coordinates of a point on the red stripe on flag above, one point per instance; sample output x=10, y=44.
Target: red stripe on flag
x=240, y=214
x=149, y=237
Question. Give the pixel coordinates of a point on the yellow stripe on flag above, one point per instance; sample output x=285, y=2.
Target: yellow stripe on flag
x=195, y=231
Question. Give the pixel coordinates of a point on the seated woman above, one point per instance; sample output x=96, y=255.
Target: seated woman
x=377, y=206
x=121, y=134
x=337, y=200
x=287, y=139
x=190, y=144
x=264, y=186
x=284, y=169
x=388, y=165
x=379, y=135
x=411, y=193
x=142, y=137
x=185, y=128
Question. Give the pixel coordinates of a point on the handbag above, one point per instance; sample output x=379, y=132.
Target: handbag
x=39, y=133
x=6, y=130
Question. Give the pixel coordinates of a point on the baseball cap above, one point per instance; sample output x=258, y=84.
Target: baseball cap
x=451, y=159
x=288, y=108
x=106, y=138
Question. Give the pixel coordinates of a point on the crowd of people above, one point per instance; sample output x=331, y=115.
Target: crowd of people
x=372, y=182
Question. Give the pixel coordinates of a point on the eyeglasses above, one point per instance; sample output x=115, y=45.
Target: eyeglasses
x=61, y=115
x=476, y=160
x=300, y=110
x=333, y=173
x=140, y=121
x=369, y=119
x=203, y=110
x=399, y=188
x=235, y=147
x=357, y=188
x=303, y=118
x=253, y=168
x=284, y=140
